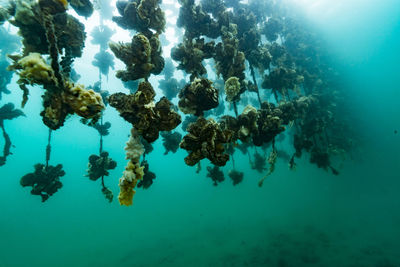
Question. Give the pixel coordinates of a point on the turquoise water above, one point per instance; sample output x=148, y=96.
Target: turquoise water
x=305, y=217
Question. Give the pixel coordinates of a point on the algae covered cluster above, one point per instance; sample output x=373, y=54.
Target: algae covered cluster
x=242, y=76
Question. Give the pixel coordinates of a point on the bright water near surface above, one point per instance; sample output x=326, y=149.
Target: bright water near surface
x=306, y=217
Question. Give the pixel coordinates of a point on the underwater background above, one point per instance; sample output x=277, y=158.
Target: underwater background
x=306, y=217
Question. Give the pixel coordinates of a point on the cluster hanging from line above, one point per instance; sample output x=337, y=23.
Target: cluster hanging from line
x=247, y=44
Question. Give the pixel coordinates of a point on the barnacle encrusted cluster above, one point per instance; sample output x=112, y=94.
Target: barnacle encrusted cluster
x=206, y=139
x=46, y=28
x=148, y=117
x=9, y=112
x=198, y=96
x=143, y=56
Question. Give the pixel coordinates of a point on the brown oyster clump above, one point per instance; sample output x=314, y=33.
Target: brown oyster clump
x=195, y=21
x=260, y=58
x=142, y=57
x=230, y=61
x=232, y=88
x=45, y=180
x=147, y=117
x=269, y=125
x=30, y=17
x=260, y=126
x=140, y=15
x=197, y=97
x=59, y=100
x=297, y=108
x=216, y=175
x=282, y=79
x=74, y=99
x=248, y=122
x=244, y=125
x=206, y=139
x=190, y=54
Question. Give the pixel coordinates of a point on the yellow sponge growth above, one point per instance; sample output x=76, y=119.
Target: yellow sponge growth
x=60, y=99
x=85, y=103
x=133, y=171
x=132, y=174
x=34, y=69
